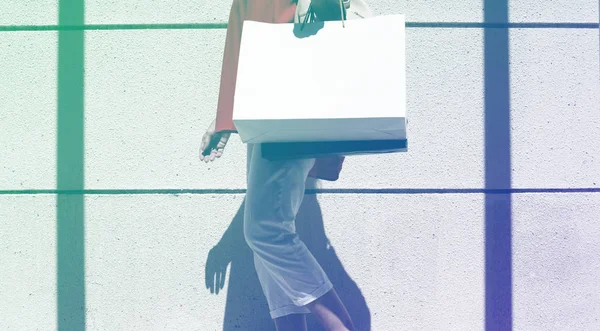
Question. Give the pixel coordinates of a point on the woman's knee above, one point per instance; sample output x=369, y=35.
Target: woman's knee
x=253, y=234
x=265, y=235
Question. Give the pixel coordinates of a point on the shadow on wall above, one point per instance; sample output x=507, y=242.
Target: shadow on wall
x=246, y=307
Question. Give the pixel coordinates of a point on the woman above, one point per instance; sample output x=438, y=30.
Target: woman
x=292, y=280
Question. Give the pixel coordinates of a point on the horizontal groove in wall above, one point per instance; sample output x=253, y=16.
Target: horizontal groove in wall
x=209, y=26
x=313, y=191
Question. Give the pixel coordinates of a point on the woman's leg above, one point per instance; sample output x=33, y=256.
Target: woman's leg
x=331, y=312
x=289, y=274
x=292, y=322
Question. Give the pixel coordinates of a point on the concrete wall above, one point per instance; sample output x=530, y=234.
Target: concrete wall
x=491, y=221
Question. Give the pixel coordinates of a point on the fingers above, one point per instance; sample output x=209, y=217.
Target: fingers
x=206, y=152
x=221, y=145
x=210, y=281
x=204, y=145
x=206, y=275
x=219, y=280
x=223, y=274
x=213, y=155
x=209, y=272
x=213, y=146
x=215, y=271
x=216, y=283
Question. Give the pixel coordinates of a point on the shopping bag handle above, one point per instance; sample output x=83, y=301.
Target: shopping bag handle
x=342, y=13
x=310, y=15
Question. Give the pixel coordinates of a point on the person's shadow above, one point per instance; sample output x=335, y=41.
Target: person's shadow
x=246, y=307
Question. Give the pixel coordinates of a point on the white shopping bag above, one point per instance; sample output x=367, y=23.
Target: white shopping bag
x=328, y=82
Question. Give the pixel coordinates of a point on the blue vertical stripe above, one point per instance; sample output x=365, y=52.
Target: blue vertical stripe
x=498, y=218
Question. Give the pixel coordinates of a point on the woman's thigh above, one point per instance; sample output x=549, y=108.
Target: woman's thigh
x=275, y=189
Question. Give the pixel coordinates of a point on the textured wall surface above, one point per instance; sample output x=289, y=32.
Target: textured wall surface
x=406, y=238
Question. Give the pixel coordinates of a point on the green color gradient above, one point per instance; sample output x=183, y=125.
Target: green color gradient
x=70, y=273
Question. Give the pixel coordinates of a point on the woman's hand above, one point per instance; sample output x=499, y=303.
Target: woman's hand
x=215, y=269
x=213, y=143
x=327, y=10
